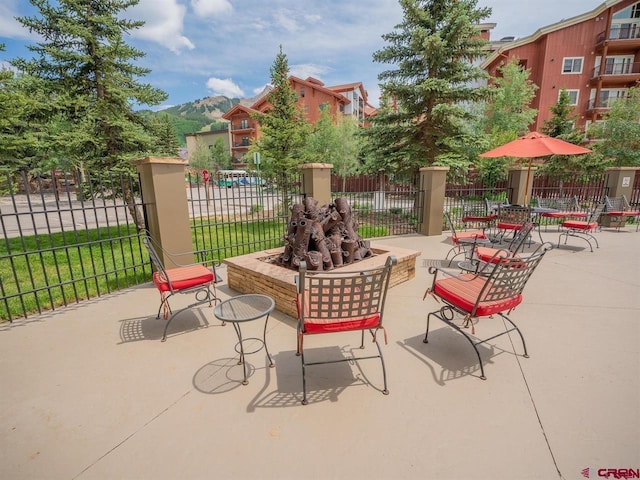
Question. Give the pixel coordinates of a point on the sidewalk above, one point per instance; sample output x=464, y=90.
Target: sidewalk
x=90, y=392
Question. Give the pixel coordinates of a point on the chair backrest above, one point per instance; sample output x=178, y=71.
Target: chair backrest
x=517, y=242
x=158, y=266
x=343, y=296
x=476, y=209
x=616, y=204
x=595, y=215
x=509, y=277
x=565, y=204
x=514, y=214
x=450, y=224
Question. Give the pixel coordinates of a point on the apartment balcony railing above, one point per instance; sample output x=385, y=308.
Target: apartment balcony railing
x=619, y=33
x=240, y=126
x=630, y=69
x=240, y=144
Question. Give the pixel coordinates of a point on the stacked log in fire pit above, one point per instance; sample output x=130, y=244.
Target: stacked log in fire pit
x=325, y=237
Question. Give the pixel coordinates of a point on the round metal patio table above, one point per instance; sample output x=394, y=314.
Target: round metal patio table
x=246, y=308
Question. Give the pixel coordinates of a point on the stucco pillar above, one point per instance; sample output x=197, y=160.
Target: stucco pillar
x=618, y=181
x=165, y=201
x=519, y=191
x=433, y=182
x=316, y=181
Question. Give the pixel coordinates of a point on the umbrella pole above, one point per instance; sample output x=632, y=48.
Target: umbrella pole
x=526, y=187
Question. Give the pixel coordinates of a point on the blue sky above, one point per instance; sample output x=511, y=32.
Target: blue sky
x=198, y=48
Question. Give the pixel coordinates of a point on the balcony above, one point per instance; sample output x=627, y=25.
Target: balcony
x=620, y=74
x=242, y=127
x=619, y=39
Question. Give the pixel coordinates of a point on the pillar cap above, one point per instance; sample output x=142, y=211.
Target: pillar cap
x=169, y=160
x=620, y=169
x=434, y=168
x=316, y=165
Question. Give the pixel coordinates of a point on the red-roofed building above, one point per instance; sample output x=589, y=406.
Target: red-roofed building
x=312, y=96
x=595, y=56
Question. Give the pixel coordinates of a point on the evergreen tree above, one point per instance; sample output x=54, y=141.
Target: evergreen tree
x=283, y=127
x=92, y=81
x=435, y=49
x=166, y=143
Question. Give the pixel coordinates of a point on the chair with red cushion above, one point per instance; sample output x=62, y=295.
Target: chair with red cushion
x=489, y=254
x=510, y=220
x=582, y=228
x=468, y=297
x=463, y=238
x=560, y=209
x=341, y=301
x=618, y=210
x=477, y=215
x=194, y=279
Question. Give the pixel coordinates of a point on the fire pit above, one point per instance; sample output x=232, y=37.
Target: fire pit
x=326, y=238
x=260, y=273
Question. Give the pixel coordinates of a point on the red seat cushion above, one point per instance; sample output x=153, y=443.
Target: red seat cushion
x=577, y=214
x=183, y=277
x=464, y=293
x=555, y=214
x=632, y=213
x=509, y=226
x=479, y=234
x=482, y=218
x=579, y=225
x=486, y=254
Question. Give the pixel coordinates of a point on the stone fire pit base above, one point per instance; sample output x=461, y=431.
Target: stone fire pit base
x=256, y=273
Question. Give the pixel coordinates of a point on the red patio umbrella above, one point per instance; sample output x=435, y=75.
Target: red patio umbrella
x=535, y=145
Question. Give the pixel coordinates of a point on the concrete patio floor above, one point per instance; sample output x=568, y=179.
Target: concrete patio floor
x=90, y=392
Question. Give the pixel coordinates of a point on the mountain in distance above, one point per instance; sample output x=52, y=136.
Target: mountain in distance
x=205, y=114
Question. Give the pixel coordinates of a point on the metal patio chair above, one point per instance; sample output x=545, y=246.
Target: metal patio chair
x=560, y=209
x=618, y=210
x=468, y=297
x=582, y=228
x=463, y=241
x=477, y=215
x=489, y=254
x=337, y=301
x=194, y=279
x=510, y=220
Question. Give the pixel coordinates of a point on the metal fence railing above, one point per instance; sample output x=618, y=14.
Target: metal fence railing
x=72, y=237
x=61, y=246
x=380, y=205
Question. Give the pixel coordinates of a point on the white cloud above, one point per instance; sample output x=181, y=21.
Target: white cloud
x=224, y=87
x=305, y=70
x=284, y=18
x=164, y=22
x=9, y=26
x=209, y=8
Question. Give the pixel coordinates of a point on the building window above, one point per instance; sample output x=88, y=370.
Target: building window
x=302, y=93
x=244, y=123
x=573, y=97
x=572, y=65
x=323, y=107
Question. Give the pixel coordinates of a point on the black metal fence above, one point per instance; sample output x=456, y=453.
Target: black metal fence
x=61, y=246
x=381, y=206
x=72, y=237
x=228, y=221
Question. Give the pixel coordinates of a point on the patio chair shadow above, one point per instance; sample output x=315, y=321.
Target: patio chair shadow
x=151, y=328
x=451, y=351
x=323, y=384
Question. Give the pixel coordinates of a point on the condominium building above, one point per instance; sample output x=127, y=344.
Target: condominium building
x=312, y=96
x=594, y=56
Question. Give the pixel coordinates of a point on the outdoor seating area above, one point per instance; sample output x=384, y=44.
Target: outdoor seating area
x=87, y=402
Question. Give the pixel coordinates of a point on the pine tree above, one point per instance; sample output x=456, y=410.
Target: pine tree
x=92, y=81
x=284, y=130
x=435, y=49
